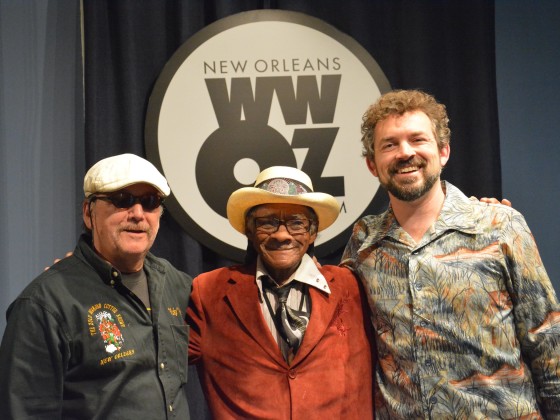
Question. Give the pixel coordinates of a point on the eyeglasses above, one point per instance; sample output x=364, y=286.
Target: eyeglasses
x=125, y=200
x=270, y=225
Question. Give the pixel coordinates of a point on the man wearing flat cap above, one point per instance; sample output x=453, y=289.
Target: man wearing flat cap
x=101, y=334
x=277, y=337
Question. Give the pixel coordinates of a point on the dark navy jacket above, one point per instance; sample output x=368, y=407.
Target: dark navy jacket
x=78, y=344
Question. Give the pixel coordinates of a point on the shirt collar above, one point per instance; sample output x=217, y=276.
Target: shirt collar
x=306, y=273
x=456, y=213
x=107, y=272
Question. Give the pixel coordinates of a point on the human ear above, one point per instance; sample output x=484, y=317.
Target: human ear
x=86, y=214
x=372, y=168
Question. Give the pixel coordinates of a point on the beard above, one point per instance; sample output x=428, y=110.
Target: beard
x=410, y=191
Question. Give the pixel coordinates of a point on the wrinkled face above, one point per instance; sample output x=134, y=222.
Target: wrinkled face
x=407, y=159
x=280, y=251
x=123, y=236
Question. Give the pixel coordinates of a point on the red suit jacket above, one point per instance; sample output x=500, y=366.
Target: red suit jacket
x=241, y=368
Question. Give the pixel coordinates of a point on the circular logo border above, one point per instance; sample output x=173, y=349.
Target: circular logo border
x=177, y=59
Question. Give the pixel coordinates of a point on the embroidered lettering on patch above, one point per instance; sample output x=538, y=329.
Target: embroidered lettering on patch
x=92, y=326
x=117, y=356
x=174, y=311
x=105, y=320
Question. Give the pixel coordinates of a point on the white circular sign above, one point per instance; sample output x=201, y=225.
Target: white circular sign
x=259, y=89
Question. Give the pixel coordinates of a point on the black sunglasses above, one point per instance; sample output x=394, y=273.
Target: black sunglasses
x=125, y=200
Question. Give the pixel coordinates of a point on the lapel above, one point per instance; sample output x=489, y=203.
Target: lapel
x=243, y=297
x=323, y=308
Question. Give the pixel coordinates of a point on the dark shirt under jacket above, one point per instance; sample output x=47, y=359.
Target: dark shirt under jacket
x=79, y=344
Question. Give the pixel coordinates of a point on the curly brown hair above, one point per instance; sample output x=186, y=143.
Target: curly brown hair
x=398, y=102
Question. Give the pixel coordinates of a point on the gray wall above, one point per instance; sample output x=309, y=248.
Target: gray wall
x=41, y=126
x=528, y=80
x=41, y=140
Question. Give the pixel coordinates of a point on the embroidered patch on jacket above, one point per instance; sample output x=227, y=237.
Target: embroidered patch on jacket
x=109, y=331
x=176, y=312
x=105, y=320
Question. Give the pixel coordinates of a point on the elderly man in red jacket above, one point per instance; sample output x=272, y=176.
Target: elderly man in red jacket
x=277, y=337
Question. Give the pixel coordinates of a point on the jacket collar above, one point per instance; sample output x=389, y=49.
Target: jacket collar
x=242, y=295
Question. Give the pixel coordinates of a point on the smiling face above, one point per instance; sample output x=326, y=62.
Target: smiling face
x=123, y=237
x=407, y=159
x=281, y=252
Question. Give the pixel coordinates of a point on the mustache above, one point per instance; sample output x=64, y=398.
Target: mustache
x=275, y=245
x=413, y=161
x=135, y=228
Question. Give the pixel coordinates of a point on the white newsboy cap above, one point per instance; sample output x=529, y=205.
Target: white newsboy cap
x=120, y=171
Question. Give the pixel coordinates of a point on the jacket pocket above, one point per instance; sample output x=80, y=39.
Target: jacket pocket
x=181, y=338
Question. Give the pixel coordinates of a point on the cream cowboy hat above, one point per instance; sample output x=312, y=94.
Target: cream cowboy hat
x=284, y=185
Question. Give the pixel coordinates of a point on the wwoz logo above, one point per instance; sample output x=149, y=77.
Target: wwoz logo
x=262, y=143
x=254, y=90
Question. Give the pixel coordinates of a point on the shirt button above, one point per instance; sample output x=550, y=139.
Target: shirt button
x=115, y=274
x=162, y=365
x=170, y=408
x=292, y=373
x=112, y=282
x=433, y=400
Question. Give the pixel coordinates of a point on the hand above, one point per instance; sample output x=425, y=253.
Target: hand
x=493, y=200
x=58, y=259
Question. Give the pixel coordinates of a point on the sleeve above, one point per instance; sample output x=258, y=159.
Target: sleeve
x=196, y=322
x=350, y=254
x=537, y=313
x=32, y=362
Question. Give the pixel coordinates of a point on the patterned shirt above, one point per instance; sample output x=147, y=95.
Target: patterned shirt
x=467, y=322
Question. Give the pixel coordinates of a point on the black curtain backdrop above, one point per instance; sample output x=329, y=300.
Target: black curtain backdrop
x=443, y=47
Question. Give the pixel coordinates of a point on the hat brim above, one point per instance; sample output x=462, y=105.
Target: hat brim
x=325, y=206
